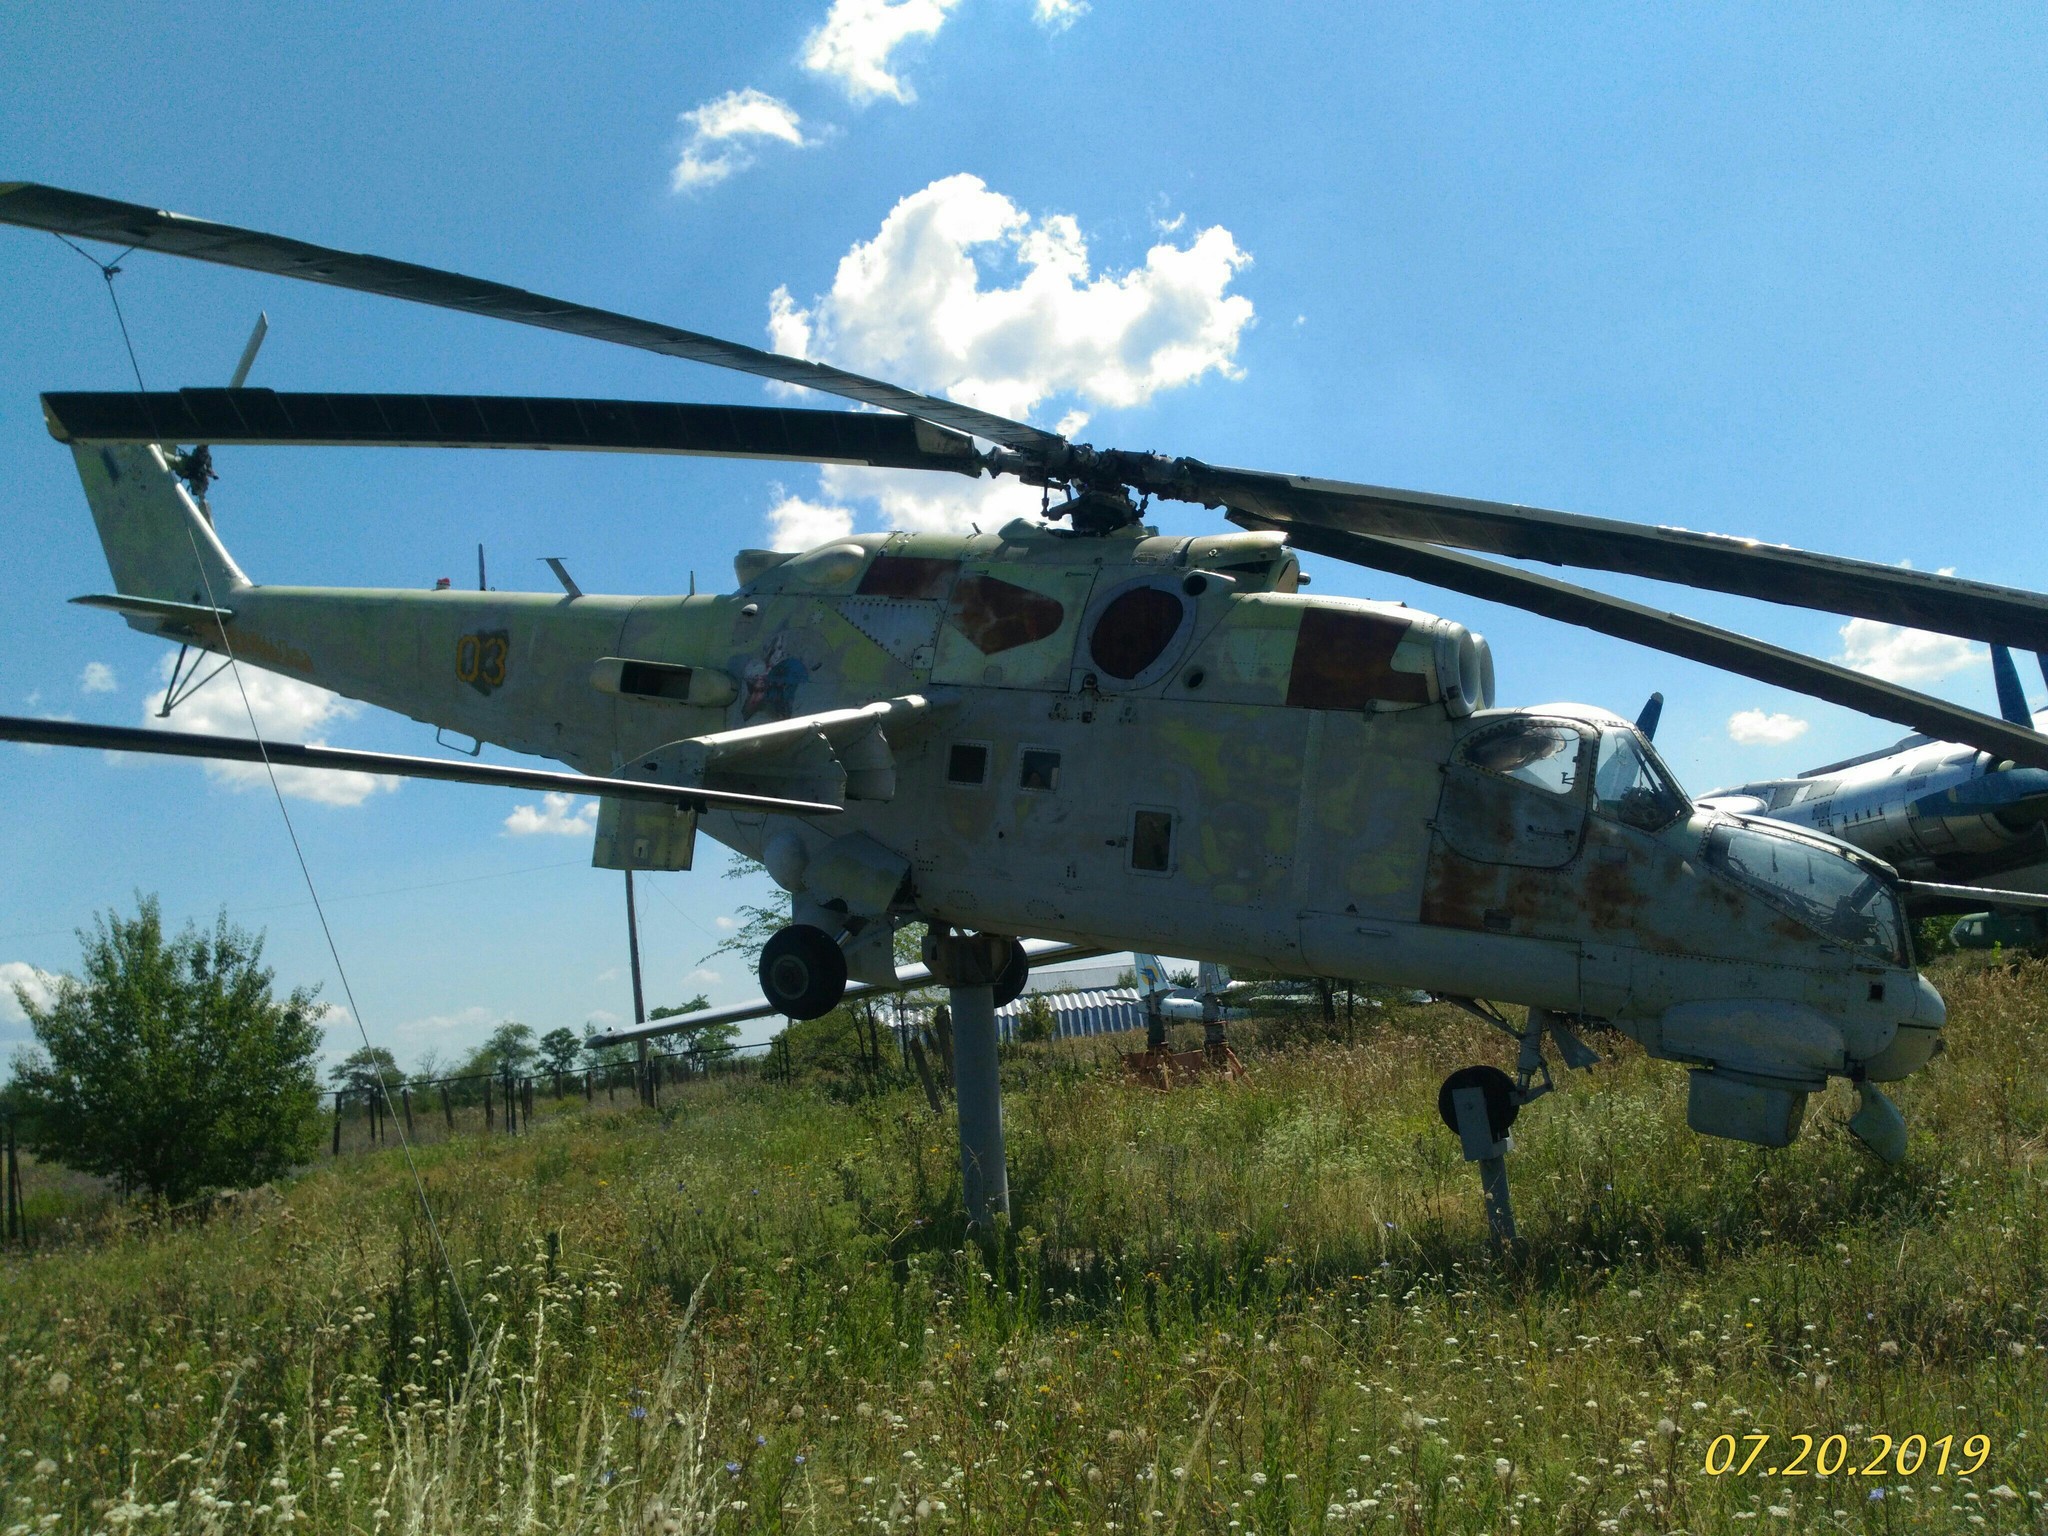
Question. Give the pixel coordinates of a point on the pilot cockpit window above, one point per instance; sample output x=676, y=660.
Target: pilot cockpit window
x=1832, y=889
x=1540, y=753
x=1631, y=786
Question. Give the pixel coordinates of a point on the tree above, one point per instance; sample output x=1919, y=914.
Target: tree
x=168, y=1064
x=368, y=1070
x=1035, y=1020
x=559, y=1049
x=509, y=1050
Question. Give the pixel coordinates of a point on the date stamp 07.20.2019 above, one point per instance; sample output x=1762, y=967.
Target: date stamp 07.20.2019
x=1867, y=1455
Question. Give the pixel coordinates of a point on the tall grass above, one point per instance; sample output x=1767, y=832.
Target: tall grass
x=1240, y=1307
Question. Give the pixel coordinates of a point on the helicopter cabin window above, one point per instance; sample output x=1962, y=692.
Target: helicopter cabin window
x=967, y=763
x=1631, y=786
x=1532, y=752
x=1152, y=842
x=1038, y=769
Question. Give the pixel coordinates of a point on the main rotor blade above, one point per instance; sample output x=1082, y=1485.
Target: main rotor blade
x=262, y=416
x=1777, y=573
x=1672, y=633
x=286, y=754
x=86, y=217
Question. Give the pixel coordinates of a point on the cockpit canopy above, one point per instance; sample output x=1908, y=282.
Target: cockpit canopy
x=1826, y=885
x=1630, y=783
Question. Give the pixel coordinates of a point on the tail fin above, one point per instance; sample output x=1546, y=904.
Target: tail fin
x=1151, y=975
x=158, y=543
x=2012, y=699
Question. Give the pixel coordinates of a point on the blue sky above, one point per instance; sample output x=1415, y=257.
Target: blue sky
x=1768, y=271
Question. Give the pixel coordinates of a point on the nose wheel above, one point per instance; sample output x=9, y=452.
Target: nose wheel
x=1479, y=1104
x=803, y=972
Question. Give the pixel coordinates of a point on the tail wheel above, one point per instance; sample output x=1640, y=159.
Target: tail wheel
x=803, y=972
x=1009, y=982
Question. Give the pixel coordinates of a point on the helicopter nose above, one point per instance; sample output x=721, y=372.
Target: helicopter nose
x=1917, y=1040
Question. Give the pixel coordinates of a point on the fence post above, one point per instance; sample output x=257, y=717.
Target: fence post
x=14, y=1182
x=377, y=1115
x=405, y=1098
x=13, y=1190
x=447, y=1107
x=490, y=1120
x=529, y=1103
x=587, y=1090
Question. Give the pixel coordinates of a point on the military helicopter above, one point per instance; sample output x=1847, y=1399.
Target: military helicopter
x=1077, y=729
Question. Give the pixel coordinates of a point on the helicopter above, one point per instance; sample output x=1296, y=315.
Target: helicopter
x=1078, y=729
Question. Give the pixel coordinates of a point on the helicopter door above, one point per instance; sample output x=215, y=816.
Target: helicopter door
x=1011, y=625
x=1515, y=793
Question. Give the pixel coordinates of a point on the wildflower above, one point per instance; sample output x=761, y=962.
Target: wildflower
x=732, y=1469
x=637, y=1411
x=1888, y=1348
x=59, y=1383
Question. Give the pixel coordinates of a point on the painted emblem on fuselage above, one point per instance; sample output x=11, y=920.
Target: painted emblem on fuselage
x=771, y=681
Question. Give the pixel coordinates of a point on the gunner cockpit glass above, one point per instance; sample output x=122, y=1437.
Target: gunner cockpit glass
x=1632, y=786
x=1843, y=897
x=1543, y=754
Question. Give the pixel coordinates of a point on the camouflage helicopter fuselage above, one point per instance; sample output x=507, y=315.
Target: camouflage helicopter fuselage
x=1137, y=741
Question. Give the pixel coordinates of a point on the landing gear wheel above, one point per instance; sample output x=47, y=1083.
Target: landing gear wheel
x=1495, y=1084
x=803, y=972
x=1009, y=982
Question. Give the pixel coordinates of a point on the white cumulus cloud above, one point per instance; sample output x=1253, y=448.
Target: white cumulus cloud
x=797, y=524
x=559, y=814
x=41, y=987
x=1901, y=655
x=918, y=304
x=1058, y=15
x=921, y=502
x=963, y=293
x=285, y=710
x=724, y=133
x=97, y=677
x=854, y=44
x=1754, y=728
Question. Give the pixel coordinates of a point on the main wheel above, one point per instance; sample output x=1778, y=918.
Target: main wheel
x=803, y=972
x=1498, y=1088
x=1009, y=982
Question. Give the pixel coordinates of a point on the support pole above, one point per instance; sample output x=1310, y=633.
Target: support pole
x=633, y=951
x=984, y=1176
x=968, y=964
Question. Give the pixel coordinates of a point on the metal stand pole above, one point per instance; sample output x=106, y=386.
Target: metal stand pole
x=968, y=964
x=633, y=949
x=984, y=1177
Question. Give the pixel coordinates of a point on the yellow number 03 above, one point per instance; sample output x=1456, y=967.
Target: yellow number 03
x=481, y=658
